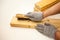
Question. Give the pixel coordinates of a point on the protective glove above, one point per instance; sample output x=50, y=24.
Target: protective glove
x=35, y=16
x=46, y=29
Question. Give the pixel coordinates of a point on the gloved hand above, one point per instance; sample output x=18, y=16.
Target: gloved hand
x=46, y=29
x=35, y=16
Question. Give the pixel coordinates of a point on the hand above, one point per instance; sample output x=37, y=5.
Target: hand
x=46, y=29
x=57, y=35
x=35, y=16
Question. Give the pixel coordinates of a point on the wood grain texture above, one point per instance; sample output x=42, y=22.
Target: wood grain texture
x=45, y=4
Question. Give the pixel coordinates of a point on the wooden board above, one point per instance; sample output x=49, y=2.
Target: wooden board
x=23, y=23
x=45, y=4
x=32, y=24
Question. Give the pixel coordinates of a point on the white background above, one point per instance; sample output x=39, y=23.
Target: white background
x=8, y=9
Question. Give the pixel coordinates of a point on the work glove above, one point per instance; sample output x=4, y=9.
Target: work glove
x=46, y=29
x=35, y=16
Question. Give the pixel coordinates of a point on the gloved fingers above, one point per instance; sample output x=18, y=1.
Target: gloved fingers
x=46, y=29
x=49, y=30
x=40, y=28
x=35, y=16
x=29, y=14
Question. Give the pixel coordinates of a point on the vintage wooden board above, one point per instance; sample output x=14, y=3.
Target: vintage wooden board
x=45, y=4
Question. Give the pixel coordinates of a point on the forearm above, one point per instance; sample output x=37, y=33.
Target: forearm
x=53, y=10
x=38, y=16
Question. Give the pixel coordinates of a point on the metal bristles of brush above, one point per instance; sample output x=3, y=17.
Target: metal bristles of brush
x=46, y=29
